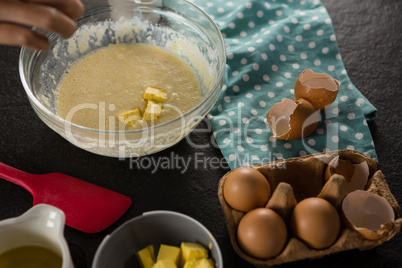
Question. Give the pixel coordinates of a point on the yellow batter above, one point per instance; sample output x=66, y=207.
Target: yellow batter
x=112, y=80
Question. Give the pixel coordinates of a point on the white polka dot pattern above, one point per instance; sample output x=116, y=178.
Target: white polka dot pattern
x=269, y=43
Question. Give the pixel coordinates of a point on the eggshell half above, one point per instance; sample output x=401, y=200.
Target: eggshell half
x=368, y=214
x=359, y=178
x=340, y=166
x=292, y=119
x=319, y=89
x=356, y=175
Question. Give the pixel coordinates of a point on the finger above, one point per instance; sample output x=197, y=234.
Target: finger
x=72, y=8
x=47, y=18
x=15, y=35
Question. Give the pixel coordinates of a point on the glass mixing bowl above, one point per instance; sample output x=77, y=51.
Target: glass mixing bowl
x=177, y=26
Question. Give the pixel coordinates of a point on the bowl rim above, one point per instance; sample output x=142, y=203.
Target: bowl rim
x=64, y=122
x=102, y=245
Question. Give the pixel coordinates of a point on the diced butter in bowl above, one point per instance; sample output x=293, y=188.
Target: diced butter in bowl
x=159, y=239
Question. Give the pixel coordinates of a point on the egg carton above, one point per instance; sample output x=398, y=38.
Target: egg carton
x=295, y=179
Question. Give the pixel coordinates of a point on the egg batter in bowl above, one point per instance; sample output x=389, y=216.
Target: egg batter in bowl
x=111, y=81
x=83, y=86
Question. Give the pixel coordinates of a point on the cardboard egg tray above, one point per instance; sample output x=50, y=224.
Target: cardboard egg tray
x=295, y=179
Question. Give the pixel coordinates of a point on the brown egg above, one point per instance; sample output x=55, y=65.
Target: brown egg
x=262, y=233
x=316, y=222
x=292, y=119
x=245, y=189
x=319, y=89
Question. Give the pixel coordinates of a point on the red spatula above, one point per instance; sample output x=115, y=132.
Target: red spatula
x=88, y=208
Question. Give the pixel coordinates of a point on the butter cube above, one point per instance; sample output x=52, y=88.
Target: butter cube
x=167, y=252
x=130, y=117
x=199, y=263
x=152, y=111
x=146, y=257
x=154, y=94
x=165, y=264
x=193, y=251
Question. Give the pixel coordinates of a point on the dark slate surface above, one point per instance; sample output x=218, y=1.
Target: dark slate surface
x=369, y=39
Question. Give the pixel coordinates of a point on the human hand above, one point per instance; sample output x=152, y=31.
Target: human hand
x=18, y=16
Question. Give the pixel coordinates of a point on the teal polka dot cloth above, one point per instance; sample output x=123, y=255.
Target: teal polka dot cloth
x=269, y=43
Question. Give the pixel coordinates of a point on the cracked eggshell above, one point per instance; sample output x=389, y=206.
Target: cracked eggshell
x=292, y=119
x=319, y=89
x=359, y=178
x=340, y=166
x=368, y=214
x=356, y=175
